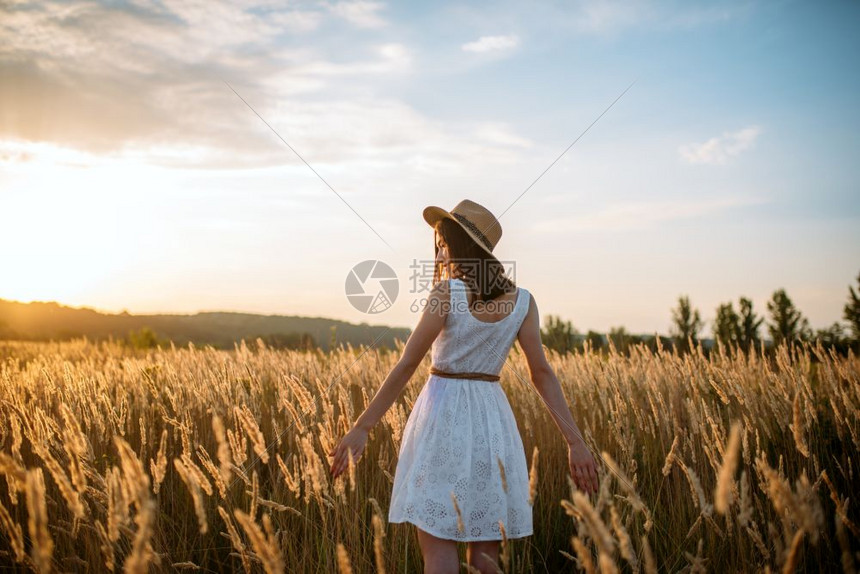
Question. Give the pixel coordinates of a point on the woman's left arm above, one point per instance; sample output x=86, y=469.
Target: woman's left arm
x=583, y=467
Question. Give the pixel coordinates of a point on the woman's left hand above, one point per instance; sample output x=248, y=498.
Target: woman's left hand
x=355, y=441
x=583, y=468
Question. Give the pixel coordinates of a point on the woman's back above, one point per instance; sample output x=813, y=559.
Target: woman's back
x=468, y=344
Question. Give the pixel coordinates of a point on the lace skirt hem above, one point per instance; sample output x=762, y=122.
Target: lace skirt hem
x=438, y=533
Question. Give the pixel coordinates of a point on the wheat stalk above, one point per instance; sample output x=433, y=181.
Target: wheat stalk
x=725, y=480
x=42, y=548
x=533, y=476
x=14, y=532
x=343, y=564
x=265, y=545
x=224, y=458
x=190, y=480
x=378, y=535
x=583, y=554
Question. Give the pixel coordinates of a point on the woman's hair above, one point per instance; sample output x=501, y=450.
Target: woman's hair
x=481, y=271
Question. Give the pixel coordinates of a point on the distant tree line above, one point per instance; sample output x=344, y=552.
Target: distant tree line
x=51, y=321
x=146, y=338
x=732, y=328
x=295, y=341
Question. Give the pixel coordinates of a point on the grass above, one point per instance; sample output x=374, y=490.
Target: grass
x=721, y=463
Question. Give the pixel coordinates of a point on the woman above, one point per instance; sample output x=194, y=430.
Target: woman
x=461, y=444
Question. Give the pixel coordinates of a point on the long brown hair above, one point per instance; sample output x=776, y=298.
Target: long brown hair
x=481, y=271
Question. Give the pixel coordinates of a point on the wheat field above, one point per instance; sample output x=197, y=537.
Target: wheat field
x=195, y=459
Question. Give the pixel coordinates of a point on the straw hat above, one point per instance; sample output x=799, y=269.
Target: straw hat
x=475, y=219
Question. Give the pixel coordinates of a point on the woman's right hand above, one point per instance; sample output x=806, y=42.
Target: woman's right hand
x=354, y=441
x=583, y=468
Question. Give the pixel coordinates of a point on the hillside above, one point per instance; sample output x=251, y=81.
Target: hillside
x=40, y=321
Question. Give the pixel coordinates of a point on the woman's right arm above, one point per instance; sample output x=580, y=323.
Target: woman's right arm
x=419, y=342
x=582, y=465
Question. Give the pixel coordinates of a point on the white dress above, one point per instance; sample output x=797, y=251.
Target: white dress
x=457, y=432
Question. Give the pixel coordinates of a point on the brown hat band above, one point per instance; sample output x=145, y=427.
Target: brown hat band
x=474, y=229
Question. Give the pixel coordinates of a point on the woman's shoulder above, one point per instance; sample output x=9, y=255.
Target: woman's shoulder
x=526, y=297
x=530, y=303
x=442, y=289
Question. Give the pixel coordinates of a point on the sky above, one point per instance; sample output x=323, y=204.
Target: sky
x=184, y=156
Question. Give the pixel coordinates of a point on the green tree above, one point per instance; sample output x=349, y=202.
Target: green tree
x=144, y=338
x=559, y=335
x=750, y=324
x=622, y=340
x=332, y=337
x=787, y=323
x=727, y=325
x=294, y=341
x=656, y=342
x=595, y=340
x=686, y=324
x=833, y=336
x=852, y=311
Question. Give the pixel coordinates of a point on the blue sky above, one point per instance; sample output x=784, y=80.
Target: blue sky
x=132, y=177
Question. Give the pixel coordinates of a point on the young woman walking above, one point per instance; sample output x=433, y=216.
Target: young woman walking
x=461, y=440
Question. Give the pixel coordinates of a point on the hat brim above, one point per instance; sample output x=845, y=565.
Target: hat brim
x=433, y=214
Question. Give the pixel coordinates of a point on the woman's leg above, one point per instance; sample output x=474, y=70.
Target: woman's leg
x=440, y=555
x=483, y=555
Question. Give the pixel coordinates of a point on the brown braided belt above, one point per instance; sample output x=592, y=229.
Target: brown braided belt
x=475, y=376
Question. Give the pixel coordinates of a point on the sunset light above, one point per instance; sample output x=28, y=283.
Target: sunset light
x=302, y=286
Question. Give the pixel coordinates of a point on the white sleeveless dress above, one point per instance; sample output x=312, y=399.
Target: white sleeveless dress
x=457, y=432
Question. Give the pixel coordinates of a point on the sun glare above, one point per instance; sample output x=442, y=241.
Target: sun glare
x=68, y=221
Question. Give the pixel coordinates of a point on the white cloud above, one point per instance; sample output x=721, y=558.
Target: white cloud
x=296, y=20
x=393, y=58
x=611, y=16
x=607, y=18
x=381, y=133
x=600, y=17
x=360, y=13
x=396, y=54
x=637, y=215
x=492, y=44
x=344, y=137
x=147, y=80
x=718, y=150
x=501, y=134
